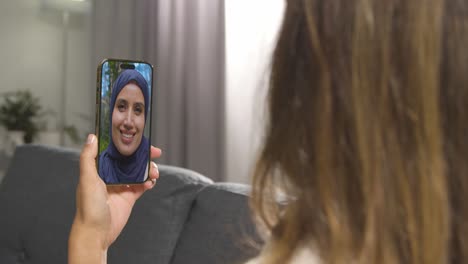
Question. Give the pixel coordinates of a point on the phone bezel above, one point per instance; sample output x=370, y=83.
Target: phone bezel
x=98, y=112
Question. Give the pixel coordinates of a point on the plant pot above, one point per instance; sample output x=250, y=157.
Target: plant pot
x=13, y=139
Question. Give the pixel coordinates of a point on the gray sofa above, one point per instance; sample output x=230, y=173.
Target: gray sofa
x=186, y=218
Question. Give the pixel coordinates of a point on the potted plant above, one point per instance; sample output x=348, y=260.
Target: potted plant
x=20, y=111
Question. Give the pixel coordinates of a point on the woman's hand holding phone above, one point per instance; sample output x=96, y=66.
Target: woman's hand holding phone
x=101, y=210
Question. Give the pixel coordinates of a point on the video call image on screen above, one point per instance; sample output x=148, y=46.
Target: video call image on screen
x=124, y=129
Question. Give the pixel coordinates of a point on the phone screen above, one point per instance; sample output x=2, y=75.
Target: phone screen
x=123, y=121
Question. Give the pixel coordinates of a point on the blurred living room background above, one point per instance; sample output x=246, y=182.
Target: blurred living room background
x=211, y=61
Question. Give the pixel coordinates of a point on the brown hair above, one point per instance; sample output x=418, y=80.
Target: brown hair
x=367, y=133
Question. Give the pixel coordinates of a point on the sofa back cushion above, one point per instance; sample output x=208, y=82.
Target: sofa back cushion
x=219, y=228
x=37, y=205
x=158, y=218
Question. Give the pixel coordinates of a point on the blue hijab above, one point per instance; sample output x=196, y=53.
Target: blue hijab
x=113, y=166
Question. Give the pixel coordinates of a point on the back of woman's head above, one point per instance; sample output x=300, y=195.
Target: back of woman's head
x=367, y=132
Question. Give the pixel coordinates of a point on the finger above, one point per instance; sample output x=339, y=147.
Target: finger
x=133, y=192
x=155, y=152
x=149, y=184
x=154, y=171
x=153, y=176
x=88, y=158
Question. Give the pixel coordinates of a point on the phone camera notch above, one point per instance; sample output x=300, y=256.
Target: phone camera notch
x=127, y=66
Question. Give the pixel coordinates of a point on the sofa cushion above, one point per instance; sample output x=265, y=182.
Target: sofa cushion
x=219, y=228
x=158, y=218
x=37, y=205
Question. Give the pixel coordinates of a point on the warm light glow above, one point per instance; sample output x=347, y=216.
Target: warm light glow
x=78, y=0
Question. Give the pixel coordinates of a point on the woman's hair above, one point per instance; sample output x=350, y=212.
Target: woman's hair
x=367, y=133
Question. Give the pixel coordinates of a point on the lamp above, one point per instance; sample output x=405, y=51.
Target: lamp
x=65, y=8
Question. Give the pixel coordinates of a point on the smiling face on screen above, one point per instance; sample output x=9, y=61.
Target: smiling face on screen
x=128, y=119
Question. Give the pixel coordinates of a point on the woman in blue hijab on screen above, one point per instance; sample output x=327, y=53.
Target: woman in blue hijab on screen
x=125, y=160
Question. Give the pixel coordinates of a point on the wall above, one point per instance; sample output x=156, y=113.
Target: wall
x=31, y=58
x=33, y=36
x=251, y=29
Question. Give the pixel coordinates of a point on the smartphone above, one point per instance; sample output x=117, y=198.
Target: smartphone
x=123, y=120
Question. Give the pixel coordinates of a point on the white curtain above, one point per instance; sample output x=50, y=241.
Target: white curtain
x=184, y=40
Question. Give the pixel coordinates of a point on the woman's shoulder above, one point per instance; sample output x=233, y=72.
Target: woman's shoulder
x=303, y=255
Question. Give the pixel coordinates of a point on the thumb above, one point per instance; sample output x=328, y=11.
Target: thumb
x=88, y=158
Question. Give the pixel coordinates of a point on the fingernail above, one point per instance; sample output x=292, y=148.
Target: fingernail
x=90, y=139
x=155, y=166
x=154, y=181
